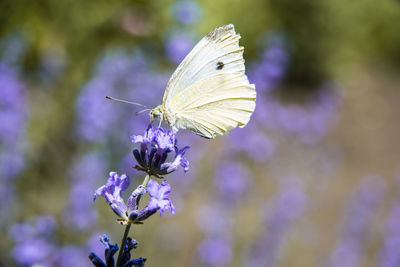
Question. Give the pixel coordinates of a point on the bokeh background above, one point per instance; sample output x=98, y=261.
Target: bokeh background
x=312, y=180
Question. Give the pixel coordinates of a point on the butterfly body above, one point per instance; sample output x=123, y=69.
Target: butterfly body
x=209, y=93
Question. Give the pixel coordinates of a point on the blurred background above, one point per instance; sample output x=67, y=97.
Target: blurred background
x=312, y=180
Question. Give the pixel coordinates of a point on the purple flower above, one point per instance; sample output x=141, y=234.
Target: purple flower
x=122, y=75
x=13, y=118
x=159, y=194
x=215, y=251
x=178, y=45
x=159, y=200
x=110, y=251
x=70, y=255
x=155, y=146
x=32, y=241
x=45, y=225
x=253, y=142
x=232, y=180
x=112, y=190
x=187, y=12
x=287, y=206
x=32, y=251
x=357, y=222
x=85, y=173
x=389, y=254
x=269, y=72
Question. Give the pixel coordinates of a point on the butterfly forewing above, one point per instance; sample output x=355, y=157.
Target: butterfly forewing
x=209, y=93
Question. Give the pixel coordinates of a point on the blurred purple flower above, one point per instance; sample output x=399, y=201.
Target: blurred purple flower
x=287, y=206
x=13, y=120
x=214, y=220
x=122, y=75
x=45, y=225
x=186, y=11
x=85, y=175
x=357, y=222
x=253, y=142
x=70, y=255
x=215, y=251
x=33, y=251
x=389, y=254
x=178, y=45
x=155, y=146
x=32, y=241
x=232, y=180
x=7, y=196
x=267, y=73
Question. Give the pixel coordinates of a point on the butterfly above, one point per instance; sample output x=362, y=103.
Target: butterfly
x=209, y=93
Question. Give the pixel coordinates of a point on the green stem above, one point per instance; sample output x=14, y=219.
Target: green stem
x=128, y=226
x=123, y=242
x=145, y=182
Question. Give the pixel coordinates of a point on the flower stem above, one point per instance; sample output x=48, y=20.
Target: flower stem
x=145, y=182
x=128, y=227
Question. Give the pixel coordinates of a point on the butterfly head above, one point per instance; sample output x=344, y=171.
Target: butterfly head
x=157, y=113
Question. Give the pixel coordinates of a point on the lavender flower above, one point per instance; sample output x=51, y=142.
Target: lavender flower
x=32, y=241
x=267, y=73
x=128, y=212
x=71, y=255
x=84, y=176
x=389, y=254
x=155, y=146
x=232, y=180
x=33, y=251
x=357, y=222
x=124, y=75
x=187, y=12
x=159, y=194
x=178, y=45
x=112, y=190
x=215, y=251
x=13, y=116
x=110, y=251
x=288, y=205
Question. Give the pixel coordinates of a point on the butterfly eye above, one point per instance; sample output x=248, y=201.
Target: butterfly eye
x=220, y=65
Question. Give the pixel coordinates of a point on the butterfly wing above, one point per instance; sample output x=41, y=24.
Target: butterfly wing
x=209, y=93
x=215, y=105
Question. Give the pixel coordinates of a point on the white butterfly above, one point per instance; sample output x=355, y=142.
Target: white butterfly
x=209, y=93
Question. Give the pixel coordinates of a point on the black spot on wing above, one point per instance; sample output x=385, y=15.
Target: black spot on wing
x=220, y=65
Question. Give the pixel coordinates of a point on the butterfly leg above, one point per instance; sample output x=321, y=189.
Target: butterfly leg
x=174, y=131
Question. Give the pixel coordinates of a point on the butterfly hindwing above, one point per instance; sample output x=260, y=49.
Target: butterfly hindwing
x=215, y=105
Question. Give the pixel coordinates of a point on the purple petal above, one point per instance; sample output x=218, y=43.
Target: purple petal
x=152, y=188
x=164, y=190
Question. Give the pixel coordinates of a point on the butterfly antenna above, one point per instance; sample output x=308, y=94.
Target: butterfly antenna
x=124, y=101
x=147, y=109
